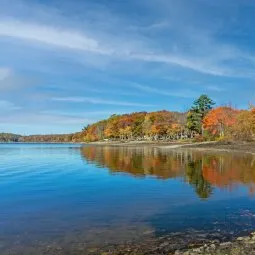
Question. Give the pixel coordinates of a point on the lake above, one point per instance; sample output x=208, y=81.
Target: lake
x=69, y=199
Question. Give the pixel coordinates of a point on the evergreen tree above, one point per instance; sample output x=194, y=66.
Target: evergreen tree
x=200, y=108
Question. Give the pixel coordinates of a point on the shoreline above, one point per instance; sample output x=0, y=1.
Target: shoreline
x=212, y=146
x=234, y=147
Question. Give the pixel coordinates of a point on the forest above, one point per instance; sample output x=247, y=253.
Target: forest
x=8, y=137
x=203, y=122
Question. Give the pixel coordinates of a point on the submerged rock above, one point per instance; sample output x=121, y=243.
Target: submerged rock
x=240, y=246
x=188, y=244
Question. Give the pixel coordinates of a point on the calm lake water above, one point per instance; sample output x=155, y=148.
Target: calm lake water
x=73, y=197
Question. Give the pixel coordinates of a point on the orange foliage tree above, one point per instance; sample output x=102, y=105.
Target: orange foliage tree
x=162, y=124
x=244, y=127
x=219, y=119
x=253, y=119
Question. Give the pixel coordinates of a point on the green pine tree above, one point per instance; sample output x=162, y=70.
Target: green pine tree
x=200, y=108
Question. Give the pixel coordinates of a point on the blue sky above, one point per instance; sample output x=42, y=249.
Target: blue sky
x=65, y=63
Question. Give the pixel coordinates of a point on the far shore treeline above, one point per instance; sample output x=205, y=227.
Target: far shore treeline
x=203, y=122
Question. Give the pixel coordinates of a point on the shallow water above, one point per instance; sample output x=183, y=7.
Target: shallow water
x=68, y=198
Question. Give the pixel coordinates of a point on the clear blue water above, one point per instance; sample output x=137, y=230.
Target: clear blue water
x=60, y=195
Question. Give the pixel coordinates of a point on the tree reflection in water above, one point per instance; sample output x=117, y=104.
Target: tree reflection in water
x=203, y=171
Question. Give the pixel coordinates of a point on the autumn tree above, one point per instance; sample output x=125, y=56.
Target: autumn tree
x=137, y=125
x=160, y=124
x=174, y=131
x=244, y=128
x=219, y=119
x=111, y=129
x=253, y=120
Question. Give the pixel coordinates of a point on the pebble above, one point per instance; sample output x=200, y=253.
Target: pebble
x=213, y=246
x=226, y=244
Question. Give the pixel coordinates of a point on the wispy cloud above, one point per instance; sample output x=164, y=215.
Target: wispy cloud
x=175, y=93
x=6, y=106
x=195, y=64
x=50, y=35
x=4, y=73
x=215, y=88
x=83, y=113
x=92, y=100
x=121, y=49
x=12, y=82
x=38, y=123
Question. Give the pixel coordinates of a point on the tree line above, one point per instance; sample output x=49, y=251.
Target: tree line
x=202, y=122
x=57, y=138
x=8, y=137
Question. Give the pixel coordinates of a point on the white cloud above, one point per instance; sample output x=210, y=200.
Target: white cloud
x=50, y=35
x=97, y=101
